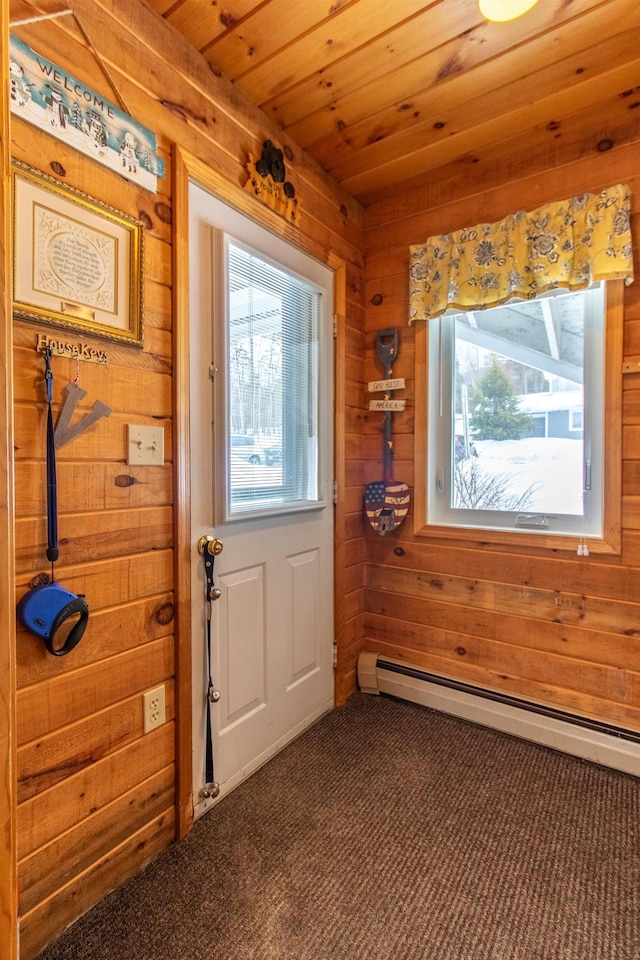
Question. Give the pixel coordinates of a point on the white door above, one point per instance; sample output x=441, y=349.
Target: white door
x=261, y=466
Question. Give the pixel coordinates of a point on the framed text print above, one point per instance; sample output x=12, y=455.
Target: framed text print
x=77, y=262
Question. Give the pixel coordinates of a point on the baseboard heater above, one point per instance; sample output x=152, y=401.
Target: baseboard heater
x=601, y=743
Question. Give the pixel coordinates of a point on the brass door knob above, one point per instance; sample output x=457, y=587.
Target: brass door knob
x=210, y=545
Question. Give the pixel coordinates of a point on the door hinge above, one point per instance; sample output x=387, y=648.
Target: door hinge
x=334, y=489
x=335, y=654
x=212, y=371
x=335, y=326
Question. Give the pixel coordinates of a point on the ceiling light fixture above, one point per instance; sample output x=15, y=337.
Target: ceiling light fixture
x=502, y=10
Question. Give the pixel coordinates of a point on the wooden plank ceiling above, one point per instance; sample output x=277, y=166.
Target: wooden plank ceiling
x=386, y=91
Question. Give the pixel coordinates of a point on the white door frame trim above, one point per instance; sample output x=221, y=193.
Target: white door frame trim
x=186, y=169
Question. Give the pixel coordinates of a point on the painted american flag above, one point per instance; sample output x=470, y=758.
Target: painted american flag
x=386, y=505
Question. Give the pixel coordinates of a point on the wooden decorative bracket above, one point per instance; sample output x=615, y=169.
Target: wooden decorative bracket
x=267, y=182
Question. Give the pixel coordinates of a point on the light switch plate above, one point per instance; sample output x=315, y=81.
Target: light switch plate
x=145, y=445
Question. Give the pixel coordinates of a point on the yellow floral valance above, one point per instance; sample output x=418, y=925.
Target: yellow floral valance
x=569, y=244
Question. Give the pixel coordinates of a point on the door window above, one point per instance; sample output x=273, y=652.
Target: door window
x=272, y=376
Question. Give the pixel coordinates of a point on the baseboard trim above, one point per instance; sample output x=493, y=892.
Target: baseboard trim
x=598, y=742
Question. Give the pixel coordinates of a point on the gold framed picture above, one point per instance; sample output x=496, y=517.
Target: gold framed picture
x=77, y=262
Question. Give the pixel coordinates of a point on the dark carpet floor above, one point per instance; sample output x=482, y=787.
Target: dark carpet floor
x=391, y=832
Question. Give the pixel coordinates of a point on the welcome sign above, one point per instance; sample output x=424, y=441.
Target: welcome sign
x=54, y=100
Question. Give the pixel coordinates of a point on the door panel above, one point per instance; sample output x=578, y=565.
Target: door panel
x=272, y=626
x=304, y=584
x=241, y=639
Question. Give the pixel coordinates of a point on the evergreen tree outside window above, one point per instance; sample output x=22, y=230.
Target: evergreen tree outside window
x=496, y=408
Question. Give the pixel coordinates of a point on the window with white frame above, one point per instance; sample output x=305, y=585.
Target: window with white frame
x=516, y=397
x=272, y=372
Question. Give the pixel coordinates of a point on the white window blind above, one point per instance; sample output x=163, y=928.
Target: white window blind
x=273, y=355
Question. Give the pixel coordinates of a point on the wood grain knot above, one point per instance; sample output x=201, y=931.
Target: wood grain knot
x=39, y=579
x=163, y=212
x=146, y=220
x=377, y=299
x=175, y=109
x=58, y=168
x=450, y=68
x=164, y=614
x=124, y=480
x=399, y=552
x=460, y=651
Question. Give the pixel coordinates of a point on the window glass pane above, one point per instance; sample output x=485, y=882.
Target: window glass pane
x=518, y=400
x=273, y=370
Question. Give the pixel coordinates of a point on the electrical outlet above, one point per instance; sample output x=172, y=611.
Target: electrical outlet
x=145, y=445
x=153, y=708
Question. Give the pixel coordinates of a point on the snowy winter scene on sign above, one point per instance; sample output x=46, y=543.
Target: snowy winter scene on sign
x=54, y=100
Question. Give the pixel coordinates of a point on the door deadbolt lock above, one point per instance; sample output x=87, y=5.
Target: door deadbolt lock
x=210, y=545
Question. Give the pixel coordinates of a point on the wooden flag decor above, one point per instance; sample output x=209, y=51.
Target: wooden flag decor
x=386, y=501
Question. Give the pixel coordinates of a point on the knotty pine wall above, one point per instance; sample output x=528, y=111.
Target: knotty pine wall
x=8, y=879
x=95, y=795
x=539, y=624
